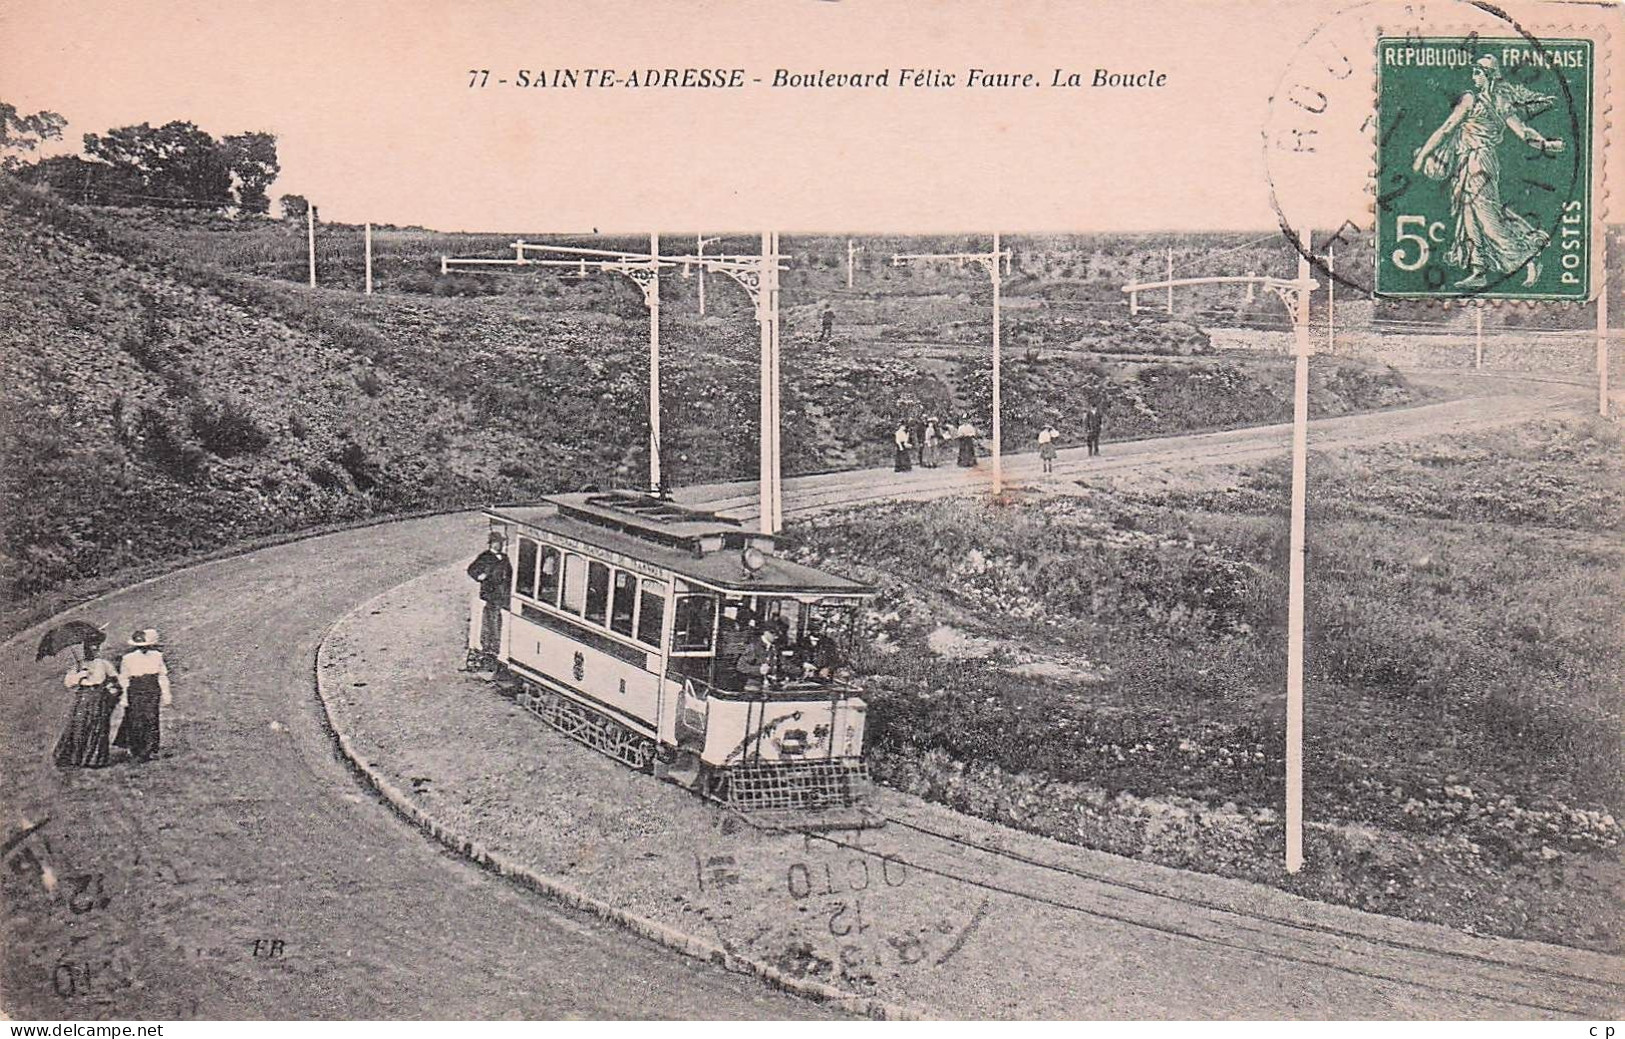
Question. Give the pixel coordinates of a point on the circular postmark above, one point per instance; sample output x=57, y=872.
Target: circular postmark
x=1445, y=143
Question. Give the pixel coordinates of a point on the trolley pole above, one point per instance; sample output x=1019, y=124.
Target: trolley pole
x=310, y=239
x=1294, y=665
x=652, y=296
x=369, y=257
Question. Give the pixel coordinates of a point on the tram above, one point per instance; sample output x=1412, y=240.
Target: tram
x=682, y=644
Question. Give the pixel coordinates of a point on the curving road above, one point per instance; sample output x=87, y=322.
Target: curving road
x=248, y=876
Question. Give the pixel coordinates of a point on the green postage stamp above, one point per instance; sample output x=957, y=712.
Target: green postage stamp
x=1484, y=166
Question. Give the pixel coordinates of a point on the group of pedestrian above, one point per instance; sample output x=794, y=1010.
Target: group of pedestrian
x=922, y=440
x=140, y=681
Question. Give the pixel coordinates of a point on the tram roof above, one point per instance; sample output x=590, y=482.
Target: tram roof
x=688, y=542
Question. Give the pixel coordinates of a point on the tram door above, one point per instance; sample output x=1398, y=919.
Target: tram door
x=692, y=667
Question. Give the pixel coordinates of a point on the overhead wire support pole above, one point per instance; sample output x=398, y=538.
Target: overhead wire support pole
x=1478, y=337
x=369, y=258
x=990, y=264
x=1602, y=330
x=1294, y=294
x=642, y=268
x=1170, y=279
x=1331, y=301
x=310, y=238
x=1295, y=605
x=652, y=298
x=752, y=273
x=851, y=254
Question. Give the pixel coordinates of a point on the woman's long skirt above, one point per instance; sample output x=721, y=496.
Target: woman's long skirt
x=904, y=462
x=967, y=451
x=139, y=732
x=83, y=743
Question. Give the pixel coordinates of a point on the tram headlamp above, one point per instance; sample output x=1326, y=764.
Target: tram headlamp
x=752, y=559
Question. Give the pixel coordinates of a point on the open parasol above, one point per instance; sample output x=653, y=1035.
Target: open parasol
x=74, y=633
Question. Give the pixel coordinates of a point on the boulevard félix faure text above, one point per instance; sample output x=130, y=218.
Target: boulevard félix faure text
x=901, y=78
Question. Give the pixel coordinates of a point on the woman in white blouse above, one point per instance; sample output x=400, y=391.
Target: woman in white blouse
x=144, y=677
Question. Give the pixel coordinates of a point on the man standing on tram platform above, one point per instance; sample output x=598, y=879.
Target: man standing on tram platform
x=495, y=576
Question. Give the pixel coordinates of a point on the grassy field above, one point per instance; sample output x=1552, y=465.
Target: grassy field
x=1108, y=667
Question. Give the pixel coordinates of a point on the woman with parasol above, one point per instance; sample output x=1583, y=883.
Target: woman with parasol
x=94, y=681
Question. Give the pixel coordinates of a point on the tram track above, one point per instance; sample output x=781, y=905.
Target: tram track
x=384, y=925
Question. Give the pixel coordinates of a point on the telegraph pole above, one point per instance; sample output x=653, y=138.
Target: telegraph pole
x=989, y=262
x=369, y=258
x=851, y=252
x=310, y=238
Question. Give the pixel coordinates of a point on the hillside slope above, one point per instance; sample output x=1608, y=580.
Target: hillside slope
x=158, y=405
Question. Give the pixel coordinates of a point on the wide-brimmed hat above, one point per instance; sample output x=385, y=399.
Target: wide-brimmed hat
x=144, y=637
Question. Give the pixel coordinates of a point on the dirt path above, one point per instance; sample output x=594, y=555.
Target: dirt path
x=143, y=892
x=1485, y=402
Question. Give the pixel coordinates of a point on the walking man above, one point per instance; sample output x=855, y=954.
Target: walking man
x=828, y=320
x=1091, y=428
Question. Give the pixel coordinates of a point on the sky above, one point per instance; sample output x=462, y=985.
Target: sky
x=376, y=120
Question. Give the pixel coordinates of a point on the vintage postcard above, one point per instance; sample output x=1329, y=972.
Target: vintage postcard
x=810, y=509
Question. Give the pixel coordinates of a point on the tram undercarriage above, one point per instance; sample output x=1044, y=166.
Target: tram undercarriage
x=801, y=795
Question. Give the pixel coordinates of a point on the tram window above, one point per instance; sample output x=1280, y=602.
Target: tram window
x=621, y=604
x=651, y=615
x=597, y=591
x=547, y=586
x=525, y=577
x=575, y=583
x=696, y=617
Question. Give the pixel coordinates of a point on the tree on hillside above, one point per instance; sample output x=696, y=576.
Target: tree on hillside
x=20, y=133
x=251, y=158
x=178, y=163
x=294, y=207
x=80, y=180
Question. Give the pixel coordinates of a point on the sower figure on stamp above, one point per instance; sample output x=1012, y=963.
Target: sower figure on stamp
x=1487, y=236
x=495, y=576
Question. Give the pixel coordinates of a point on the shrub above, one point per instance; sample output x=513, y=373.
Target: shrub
x=352, y=458
x=226, y=430
x=166, y=448
x=370, y=383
